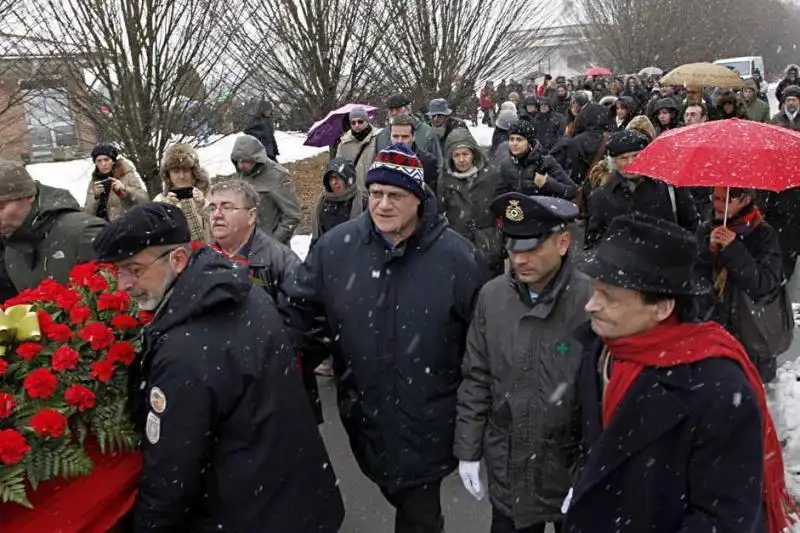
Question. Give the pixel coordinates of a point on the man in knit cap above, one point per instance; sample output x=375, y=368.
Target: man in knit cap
x=43, y=231
x=389, y=295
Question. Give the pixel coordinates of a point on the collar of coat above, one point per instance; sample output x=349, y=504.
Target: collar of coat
x=545, y=302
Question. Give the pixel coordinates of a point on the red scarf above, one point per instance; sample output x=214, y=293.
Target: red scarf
x=673, y=343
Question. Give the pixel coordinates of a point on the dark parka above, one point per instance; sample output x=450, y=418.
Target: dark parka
x=549, y=127
x=590, y=125
x=261, y=128
x=55, y=236
x=279, y=209
x=682, y=453
x=622, y=196
x=397, y=322
x=517, y=174
x=518, y=403
x=464, y=199
x=332, y=209
x=754, y=265
x=237, y=447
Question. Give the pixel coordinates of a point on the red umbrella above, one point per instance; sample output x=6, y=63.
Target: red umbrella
x=597, y=71
x=725, y=153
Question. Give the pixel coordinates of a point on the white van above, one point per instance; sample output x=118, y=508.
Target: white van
x=743, y=65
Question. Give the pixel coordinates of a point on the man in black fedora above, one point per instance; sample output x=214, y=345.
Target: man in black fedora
x=521, y=370
x=674, y=414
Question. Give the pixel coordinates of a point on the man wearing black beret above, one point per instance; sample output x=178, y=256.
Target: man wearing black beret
x=517, y=404
x=230, y=441
x=625, y=193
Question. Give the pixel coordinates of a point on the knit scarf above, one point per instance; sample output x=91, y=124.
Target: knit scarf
x=673, y=343
x=330, y=196
x=741, y=226
x=361, y=135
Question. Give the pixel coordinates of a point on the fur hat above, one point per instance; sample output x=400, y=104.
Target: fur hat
x=183, y=156
x=107, y=150
x=643, y=125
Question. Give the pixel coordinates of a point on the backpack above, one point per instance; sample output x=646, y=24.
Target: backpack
x=765, y=327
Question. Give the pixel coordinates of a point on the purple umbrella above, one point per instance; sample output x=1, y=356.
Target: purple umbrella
x=325, y=131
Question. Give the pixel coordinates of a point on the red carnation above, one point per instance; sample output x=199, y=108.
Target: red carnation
x=123, y=322
x=97, y=283
x=115, y=301
x=58, y=332
x=40, y=383
x=29, y=350
x=80, y=397
x=102, y=371
x=67, y=299
x=3, y=367
x=7, y=404
x=65, y=358
x=45, y=320
x=27, y=296
x=12, y=447
x=79, y=314
x=97, y=334
x=80, y=274
x=50, y=290
x=121, y=352
x=49, y=423
x=145, y=317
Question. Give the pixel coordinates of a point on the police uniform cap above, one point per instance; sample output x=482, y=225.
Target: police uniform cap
x=144, y=226
x=527, y=221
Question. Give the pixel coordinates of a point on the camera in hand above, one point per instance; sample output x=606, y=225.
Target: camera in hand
x=184, y=193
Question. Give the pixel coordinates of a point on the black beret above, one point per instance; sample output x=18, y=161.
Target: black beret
x=625, y=142
x=397, y=100
x=528, y=220
x=142, y=227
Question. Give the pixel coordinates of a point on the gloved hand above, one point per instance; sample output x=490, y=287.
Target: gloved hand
x=470, y=472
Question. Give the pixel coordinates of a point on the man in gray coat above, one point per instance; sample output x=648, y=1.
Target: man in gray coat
x=400, y=105
x=517, y=405
x=279, y=209
x=43, y=231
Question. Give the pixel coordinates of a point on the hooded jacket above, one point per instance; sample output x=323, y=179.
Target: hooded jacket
x=590, y=125
x=395, y=320
x=517, y=174
x=333, y=208
x=520, y=356
x=55, y=236
x=785, y=82
x=464, y=199
x=279, y=210
x=116, y=205
x=234, y=446
x=671, y=105
x=757, y=110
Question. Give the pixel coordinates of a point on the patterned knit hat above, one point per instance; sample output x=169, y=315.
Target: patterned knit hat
x=398, y=166
x=523, y=128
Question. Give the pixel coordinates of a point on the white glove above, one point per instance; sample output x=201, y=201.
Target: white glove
x=470, y=472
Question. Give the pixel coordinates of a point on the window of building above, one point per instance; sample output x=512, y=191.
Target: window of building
x=49, y=120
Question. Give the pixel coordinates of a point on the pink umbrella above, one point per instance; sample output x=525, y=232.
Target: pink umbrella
x=597, y=71
x=324, y=132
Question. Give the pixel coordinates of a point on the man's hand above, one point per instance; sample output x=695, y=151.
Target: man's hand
x=539, y=180
x=721, y=237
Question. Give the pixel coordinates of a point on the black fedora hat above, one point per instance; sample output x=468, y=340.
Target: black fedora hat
x=646, y=254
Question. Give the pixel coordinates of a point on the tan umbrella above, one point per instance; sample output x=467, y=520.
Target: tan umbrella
x=703, y=75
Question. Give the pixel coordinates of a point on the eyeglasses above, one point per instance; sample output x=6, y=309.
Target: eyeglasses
x=226, y=208
x=356, y=122
x=392, y=197
x=137, y=271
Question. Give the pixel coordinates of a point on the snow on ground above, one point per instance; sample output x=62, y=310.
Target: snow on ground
x=216, y=158
x=784, y=400
x=482, y=134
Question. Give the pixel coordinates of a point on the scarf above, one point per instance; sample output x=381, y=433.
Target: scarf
x=361, y=135
x=330, y=196
x=741, y=226
x=671, y=344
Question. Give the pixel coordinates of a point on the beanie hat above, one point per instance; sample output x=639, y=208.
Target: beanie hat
x=625, y=142
x=791, y=90
x=505, y=118
x=398, y=166
x=525, y=129
x=751, y=84
x=15, y=182
x=106, y=150
x=359, y=112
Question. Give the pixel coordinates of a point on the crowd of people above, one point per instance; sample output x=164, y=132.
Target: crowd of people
x=535, y=308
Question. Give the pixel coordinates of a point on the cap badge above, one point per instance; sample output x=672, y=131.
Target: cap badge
x=514, y=211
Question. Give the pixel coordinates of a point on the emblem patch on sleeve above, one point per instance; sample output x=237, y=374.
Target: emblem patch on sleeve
x=158, y=400
x=153, y=428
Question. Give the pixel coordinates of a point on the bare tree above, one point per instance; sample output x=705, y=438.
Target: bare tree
x=630, y=34
x=312, y=56
x=444, y=49
x=158, y=67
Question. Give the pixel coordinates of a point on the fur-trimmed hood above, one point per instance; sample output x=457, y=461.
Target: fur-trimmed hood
x=180, y=156
x=791, y=66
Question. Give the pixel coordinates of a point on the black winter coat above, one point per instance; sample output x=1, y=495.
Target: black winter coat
x=619, y=197
x=233, y=446
x=517, y=174
x=682, y=453
x=548, y=128
x=590, y=125
x=262, y=129
x=430, y=167
x=397, y=319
